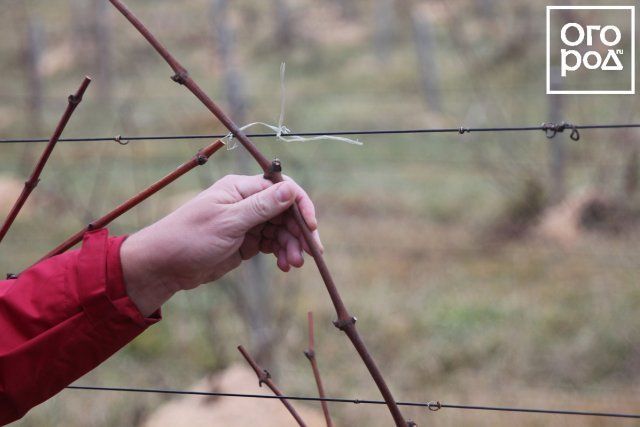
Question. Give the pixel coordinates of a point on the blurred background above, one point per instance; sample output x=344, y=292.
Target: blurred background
x=484, y=268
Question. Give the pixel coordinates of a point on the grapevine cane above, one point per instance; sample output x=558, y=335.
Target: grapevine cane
x=33, y=180
x=264, y=377
x=199, y=159
x=310, y=353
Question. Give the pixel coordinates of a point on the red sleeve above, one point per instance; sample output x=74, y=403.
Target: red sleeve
x=60, y=319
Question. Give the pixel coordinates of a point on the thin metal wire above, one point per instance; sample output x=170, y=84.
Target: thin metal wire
x=459, y=130
x=433, y=405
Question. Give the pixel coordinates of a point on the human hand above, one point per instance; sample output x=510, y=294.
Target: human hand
x=233, y=220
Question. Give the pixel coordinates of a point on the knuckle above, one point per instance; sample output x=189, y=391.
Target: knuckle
x=260, y=207
x=222, y=182
x=229, y=178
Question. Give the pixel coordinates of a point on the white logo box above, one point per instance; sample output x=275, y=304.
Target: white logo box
x=632, y=12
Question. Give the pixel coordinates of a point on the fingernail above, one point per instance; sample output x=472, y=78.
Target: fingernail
x=283, y=193
x=312, y=223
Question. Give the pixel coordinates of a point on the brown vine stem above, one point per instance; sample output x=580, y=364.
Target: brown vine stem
x=272, y=170
x=33, y=180
x=264, y=377
x=199, y=159
x=311, y=355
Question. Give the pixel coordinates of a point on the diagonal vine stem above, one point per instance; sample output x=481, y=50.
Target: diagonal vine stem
x=33, y=180
x=272, y=170
x=199, y=159
x=264, y=377
x=310, y=353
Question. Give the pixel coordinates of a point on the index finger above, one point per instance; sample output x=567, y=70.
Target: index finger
x=247, y=186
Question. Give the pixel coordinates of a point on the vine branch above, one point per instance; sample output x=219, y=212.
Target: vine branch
x=272, y=171
x=264, y=377
x=199, y=159
x=310, y=353
x=34, y=179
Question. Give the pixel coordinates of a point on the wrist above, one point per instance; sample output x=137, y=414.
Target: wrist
x=144, y=282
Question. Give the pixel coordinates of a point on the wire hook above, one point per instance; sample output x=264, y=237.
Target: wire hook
x=434, y=405
x=575, y=135
x=119, y=140
x=551, y=130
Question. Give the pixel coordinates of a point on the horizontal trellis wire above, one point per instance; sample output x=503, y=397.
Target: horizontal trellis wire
x=550, y=128
x=433, y=405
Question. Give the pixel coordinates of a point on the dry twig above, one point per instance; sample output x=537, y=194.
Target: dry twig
x=199, y=159
x=311, y=355
x=264, y=377
x=33, y=180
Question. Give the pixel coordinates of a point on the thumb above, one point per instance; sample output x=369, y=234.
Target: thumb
x=263, y=206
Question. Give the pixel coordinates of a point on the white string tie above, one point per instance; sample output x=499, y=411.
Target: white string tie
x=281, y=130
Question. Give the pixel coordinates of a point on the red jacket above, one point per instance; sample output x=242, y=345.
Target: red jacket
x=60, y=319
